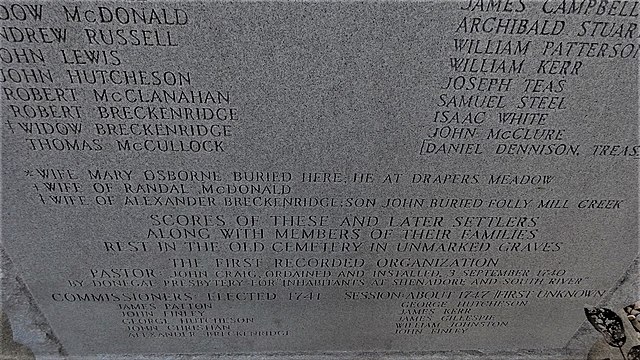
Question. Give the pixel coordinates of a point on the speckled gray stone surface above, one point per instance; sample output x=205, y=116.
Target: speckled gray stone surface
x=372, y=116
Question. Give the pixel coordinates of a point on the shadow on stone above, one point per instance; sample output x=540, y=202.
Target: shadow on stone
x=9, y=349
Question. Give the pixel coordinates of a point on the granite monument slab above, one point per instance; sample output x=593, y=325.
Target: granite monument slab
x=254, y=177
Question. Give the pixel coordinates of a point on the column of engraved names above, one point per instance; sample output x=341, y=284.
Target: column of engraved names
x=126, y=107
x=108, y=102
x=501, y=49
x=141, y=108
